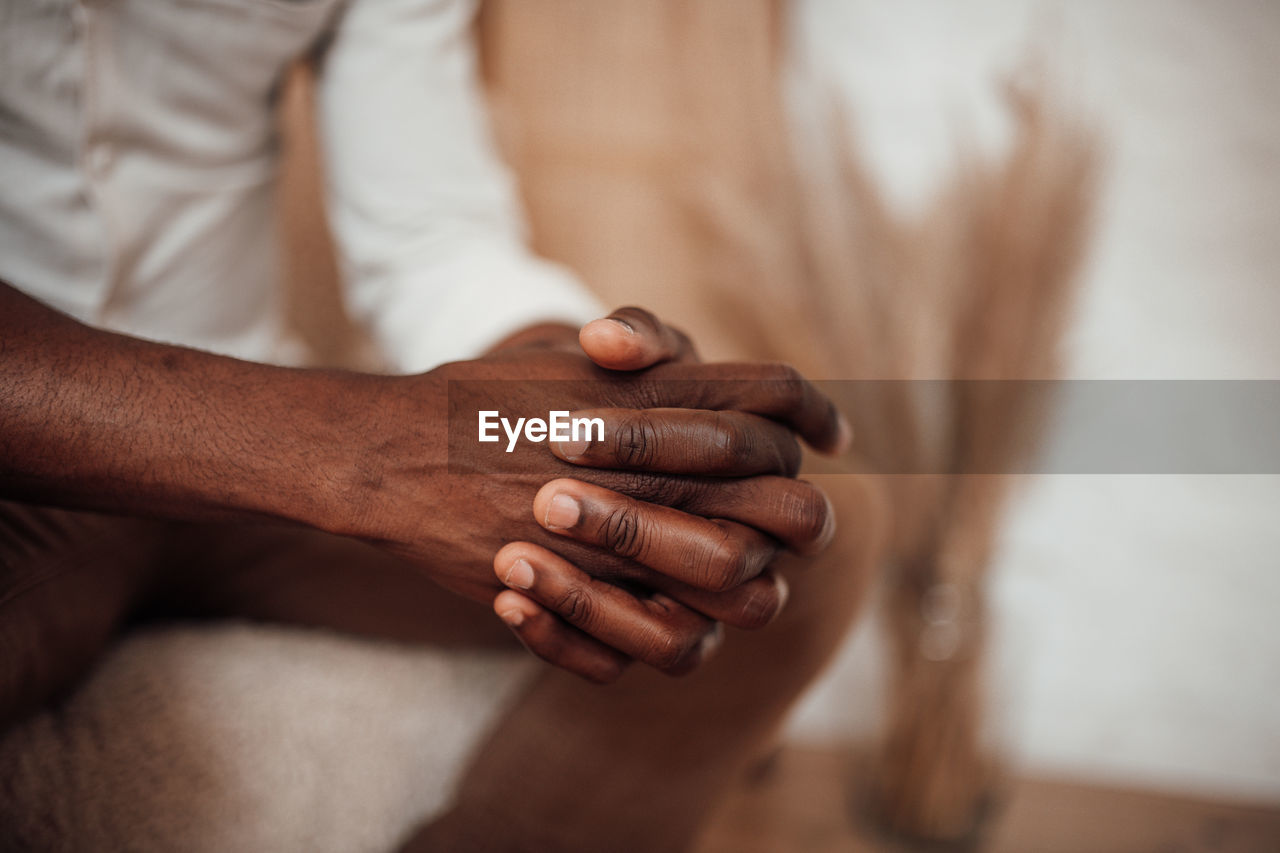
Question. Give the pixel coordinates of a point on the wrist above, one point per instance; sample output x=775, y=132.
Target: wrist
x=383, y=444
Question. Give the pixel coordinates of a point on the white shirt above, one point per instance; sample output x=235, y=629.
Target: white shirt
x=138, y=156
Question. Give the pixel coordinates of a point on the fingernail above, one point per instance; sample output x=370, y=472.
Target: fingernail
x=562, y=512
x=574, y=449
x=513, y=617
x=844, y=434
x=520, y=575
x=627, y=327
x=828, y=528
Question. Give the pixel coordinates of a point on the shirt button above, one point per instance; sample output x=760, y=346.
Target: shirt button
x=101, y=158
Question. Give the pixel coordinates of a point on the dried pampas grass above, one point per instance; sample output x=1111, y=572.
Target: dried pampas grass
x=974, y=292
x=992, y=270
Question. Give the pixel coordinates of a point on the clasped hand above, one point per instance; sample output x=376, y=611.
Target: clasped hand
x=634, y=547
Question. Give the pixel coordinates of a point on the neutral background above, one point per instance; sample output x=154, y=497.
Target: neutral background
x=1138, y=614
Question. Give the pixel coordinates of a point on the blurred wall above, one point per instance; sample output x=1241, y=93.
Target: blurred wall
x=1138, y=615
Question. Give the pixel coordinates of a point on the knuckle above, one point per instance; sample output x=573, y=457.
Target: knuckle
x=620, y=532
x=731, y=442
x=807, y=513
x=668, y=647
x=634, y=442
x=788, y=382
x=726, y=565
x=759, y=609
x=574, y=605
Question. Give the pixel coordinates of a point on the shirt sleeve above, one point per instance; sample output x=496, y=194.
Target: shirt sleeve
x=428, y=227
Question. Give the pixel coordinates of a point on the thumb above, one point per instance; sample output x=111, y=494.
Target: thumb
x=634, y=339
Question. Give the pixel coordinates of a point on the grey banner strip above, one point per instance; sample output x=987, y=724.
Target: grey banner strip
x=982, y=426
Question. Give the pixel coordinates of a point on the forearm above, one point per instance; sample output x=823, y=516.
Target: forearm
x=95, y=420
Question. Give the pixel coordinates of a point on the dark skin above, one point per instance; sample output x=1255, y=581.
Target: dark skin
x=662, y=546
